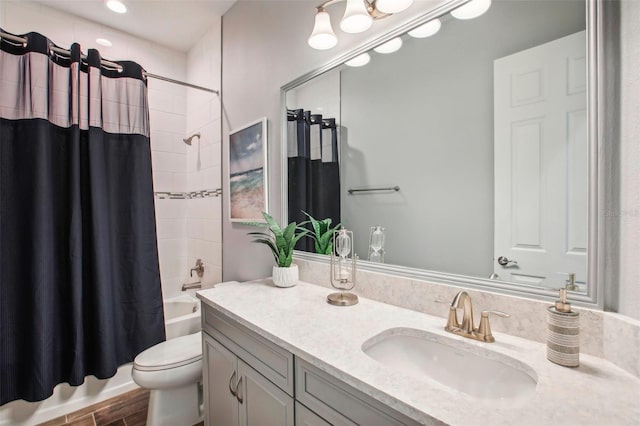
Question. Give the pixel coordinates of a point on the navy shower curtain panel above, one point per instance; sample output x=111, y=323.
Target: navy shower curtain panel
x=79, y=277
x=313, y=170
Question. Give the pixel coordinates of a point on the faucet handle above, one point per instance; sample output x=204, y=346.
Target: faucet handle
x=498, y=313
x=452, y=320
x=484, y=329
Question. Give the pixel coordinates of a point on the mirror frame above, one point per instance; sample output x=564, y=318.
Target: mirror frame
x=598, y=180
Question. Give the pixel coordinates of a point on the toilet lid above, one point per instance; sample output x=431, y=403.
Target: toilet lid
x=172, y=353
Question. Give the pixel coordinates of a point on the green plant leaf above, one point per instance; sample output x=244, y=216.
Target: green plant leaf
x=269, y=243
x=288, y=260
x=282, y=260
x=256, y=233
x=273, y=225
x=325, y=240
x=288, y=233
x=281, y=241
x=314, y=224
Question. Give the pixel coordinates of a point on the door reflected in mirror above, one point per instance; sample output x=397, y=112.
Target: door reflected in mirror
x=482, y=127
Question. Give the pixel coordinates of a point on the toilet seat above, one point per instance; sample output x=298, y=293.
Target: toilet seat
x=170, y=354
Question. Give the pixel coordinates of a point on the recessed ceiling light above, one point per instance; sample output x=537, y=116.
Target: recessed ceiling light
x=426, y=30
x=116, y=5
x=104, y=42
x=359, y=61
x=390, y=46
x=471, y=10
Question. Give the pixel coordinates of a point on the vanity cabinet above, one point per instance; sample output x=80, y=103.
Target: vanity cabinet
x=235, y=392
x=238, y=395
x=249, y=380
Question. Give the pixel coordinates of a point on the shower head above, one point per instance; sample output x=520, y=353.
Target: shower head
x=188, y=140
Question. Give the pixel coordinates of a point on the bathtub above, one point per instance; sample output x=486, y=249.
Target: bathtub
x=182, y=316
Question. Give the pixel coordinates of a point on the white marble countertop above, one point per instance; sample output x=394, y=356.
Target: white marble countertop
x=331, y=338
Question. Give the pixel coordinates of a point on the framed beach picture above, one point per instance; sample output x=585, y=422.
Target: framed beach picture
x=248, y=189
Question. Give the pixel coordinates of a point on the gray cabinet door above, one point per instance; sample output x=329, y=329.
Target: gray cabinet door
x=261, y=402
x=220, y=378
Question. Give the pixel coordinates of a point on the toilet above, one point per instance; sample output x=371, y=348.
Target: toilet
x=172, y=371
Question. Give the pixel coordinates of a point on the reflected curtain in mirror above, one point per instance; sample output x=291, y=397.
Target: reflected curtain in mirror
x=313, y=169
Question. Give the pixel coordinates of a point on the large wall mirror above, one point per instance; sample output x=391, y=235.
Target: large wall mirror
x=470, y=149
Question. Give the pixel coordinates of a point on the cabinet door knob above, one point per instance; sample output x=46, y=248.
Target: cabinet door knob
x=238, y=389
x=233, y=392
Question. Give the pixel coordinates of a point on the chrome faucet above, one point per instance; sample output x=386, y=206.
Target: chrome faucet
x=483, y=332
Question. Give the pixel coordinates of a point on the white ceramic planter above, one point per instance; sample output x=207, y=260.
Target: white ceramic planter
x=285, y=277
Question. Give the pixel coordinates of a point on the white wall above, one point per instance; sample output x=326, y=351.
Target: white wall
x=629, y=214
x=264, y=47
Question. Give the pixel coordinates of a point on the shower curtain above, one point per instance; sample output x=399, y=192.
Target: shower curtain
x=313, y=169
x=79, y=276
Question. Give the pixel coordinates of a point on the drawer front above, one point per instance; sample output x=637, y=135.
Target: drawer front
x=340, y=404
x=306, y=417
x=270, y=360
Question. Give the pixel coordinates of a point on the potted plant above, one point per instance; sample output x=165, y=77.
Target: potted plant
x=322, y=234
x=281, y=242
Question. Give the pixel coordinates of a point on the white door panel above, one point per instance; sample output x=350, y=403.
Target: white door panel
x=541, y=162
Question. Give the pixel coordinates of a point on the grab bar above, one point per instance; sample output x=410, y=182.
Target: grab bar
x=391, y=188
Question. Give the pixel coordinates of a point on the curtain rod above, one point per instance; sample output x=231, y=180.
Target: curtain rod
x=110, y=64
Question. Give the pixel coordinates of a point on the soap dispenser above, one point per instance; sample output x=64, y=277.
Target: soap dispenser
x=563, y=333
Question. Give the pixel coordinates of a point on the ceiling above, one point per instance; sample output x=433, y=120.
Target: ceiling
x=178, y=24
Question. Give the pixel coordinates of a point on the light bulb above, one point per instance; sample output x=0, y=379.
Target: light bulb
x=471, y=10
x=104, y=42
x=426, y=30
x=116, y=6
x=322, y=37
x=390, y=46
x=359, y=61
x=392, y=6
x=356, y=19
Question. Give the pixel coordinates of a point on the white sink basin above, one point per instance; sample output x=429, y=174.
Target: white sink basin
x=476, y=371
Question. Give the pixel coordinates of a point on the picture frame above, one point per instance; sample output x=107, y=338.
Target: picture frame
x=248, y=172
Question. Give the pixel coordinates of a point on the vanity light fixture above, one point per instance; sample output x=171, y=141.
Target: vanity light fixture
x=104, y=42
x=359, y=61
x=426, y=30
x=471, y=10
x=358, y=17
x=389, y=47
x=322, y=37
x=116, y=6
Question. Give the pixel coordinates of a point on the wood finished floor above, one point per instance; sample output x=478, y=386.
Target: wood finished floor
x=128, y=409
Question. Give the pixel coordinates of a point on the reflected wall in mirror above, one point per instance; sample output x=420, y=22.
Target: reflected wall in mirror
x=482, y=126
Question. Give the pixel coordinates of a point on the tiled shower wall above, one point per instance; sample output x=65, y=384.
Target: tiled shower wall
x=203, y=162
